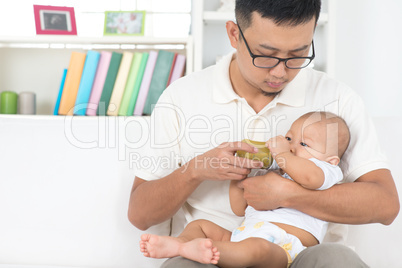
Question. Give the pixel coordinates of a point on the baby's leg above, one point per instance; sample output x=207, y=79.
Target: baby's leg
x=251, y=252
x=155, y=246
x=204, y=229
x=193, y=243
x=199, y=249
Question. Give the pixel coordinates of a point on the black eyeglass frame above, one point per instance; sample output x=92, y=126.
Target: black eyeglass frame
x=311, y=58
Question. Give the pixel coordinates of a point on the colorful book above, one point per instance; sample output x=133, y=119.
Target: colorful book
x=178, y=68
x=99, y=82
x=63, y=79
x=159, y=79
x=109, y=83
x=146, y=81
x=87, y=81
x=137, y=85
x=132, y=77
x=72, y=83
x=120, y=84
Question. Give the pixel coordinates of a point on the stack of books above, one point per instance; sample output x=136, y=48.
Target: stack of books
x=114, y=83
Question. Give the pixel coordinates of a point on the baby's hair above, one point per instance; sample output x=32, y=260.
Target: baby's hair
x=343, y=129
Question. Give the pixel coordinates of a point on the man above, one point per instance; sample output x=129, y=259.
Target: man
x=257, y=93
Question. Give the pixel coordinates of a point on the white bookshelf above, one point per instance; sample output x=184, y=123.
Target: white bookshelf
x=36, y=63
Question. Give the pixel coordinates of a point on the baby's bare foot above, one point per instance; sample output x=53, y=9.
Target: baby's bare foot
x=155, y=246
x=200, y=250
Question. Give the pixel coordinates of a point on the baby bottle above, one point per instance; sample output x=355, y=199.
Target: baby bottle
x=263, y=154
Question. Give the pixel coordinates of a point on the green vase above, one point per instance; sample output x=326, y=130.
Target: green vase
x=8, y=102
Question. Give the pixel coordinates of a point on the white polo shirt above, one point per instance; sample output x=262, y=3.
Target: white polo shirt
x=201, y=110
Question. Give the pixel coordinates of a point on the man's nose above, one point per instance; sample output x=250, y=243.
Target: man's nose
x=279, y=70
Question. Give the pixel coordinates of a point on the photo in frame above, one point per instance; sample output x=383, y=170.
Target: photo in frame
x=124, y=23
x=55, y=20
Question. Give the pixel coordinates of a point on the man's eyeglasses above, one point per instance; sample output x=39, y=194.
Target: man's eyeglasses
x=270, y=62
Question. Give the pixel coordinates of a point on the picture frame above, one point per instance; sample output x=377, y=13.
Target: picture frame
x=55, y=20
x=124, y=23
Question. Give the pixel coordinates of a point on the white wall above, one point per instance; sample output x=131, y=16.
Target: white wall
x=369, y=52
x=373, y=242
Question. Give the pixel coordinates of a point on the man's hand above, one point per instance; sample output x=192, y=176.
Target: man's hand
x=267, y=192
x=271, y=191
x=221, y=163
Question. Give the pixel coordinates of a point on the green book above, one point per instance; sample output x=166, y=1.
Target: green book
x=109, y=83
x=132, y=77
x=137, y=84
x=159, y=79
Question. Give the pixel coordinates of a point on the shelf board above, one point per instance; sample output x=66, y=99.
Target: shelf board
x=213, y=17
x=217, y=17
x=63, y=117
x=105, y=40
x=323, y=19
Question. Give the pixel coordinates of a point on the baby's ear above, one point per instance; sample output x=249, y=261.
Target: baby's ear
x=333, y=160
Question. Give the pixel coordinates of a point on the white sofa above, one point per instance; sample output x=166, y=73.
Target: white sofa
x=65, y=184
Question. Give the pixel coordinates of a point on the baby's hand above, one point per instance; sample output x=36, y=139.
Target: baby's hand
x=277, y=145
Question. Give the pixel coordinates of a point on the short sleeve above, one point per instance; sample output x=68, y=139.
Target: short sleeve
x=332, y=174
x=364, y=153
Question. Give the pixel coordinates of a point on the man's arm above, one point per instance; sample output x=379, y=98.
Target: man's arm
x=152, y=202
x=372, y=198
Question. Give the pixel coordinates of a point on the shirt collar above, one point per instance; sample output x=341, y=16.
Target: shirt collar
x=293, y=95
x=222, y=88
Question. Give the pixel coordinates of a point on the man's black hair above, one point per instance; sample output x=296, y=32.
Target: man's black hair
x=282, y=12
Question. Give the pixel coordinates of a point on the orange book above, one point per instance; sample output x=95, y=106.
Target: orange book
x=72, y=83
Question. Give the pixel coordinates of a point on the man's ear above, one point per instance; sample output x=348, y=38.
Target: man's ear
x=333, y=160
x=233, y=33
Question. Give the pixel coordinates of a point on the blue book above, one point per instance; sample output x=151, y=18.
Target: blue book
x=63, y=79
x=87, y=80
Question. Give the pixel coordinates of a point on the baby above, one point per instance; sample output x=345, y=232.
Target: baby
x=309, y=155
